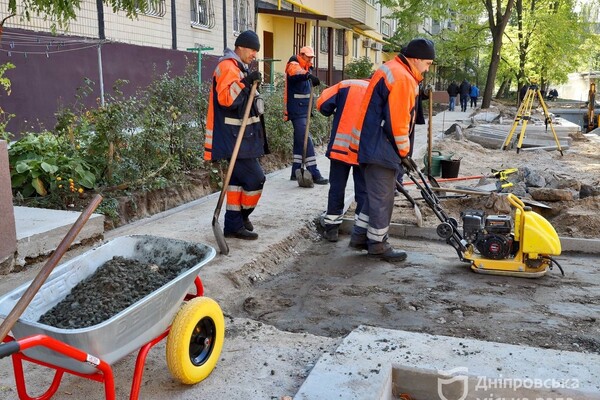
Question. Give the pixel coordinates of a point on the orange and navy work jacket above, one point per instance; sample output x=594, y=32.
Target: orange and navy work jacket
x=344, y=99
x=387, y=114
x=226, y=105
x=297, y=88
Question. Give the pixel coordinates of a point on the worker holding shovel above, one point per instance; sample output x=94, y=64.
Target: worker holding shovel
x=228, y=116
x=344, y=100
x=298, y=95
x=383, y=125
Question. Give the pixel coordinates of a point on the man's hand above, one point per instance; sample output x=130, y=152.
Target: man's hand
x=314, y=79
x=252, y=77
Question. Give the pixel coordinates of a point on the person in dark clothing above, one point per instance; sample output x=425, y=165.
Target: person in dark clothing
x=300, y=79
x=453, y=91
x=383, y=126
x=474, y=95
x=230, y=90
x=465, y=94
x=522, y=93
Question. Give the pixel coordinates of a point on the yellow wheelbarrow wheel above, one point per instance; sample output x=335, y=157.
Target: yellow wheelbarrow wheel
x=195, y=340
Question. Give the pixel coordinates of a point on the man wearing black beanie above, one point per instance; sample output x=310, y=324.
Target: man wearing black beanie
x=385, y=119
x=230, y=90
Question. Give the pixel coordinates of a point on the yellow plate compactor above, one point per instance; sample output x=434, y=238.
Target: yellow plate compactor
x=522, y=246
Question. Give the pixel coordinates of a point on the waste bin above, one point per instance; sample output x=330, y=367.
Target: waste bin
x=449, y=168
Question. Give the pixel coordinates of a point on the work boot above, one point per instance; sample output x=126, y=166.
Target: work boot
x=243, y=234
x=331, y=234
x=248, y=225
x=358, y=242
x=386, y=252
x=321, y=181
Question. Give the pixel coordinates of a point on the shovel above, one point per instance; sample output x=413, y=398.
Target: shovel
x=216, y=227
x=41, y=277
x=413, y=202
x=303, y=176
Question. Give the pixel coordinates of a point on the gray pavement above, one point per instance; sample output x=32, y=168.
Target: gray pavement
x=252, y=366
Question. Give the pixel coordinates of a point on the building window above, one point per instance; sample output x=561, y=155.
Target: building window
x=385, y=28
x=371, y=2
x=324, y=42
x=355, y=47
x=241, y=15
x=152, y=8
x=339, y=42
x=203, y=13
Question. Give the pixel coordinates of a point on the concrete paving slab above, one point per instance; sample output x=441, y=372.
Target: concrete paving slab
x=40, y=231
x=377, y=363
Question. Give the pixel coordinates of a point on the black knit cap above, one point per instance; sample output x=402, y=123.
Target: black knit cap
x=249, y=40
x=419, y=48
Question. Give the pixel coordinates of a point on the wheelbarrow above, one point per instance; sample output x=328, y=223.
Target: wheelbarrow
x=194, y=330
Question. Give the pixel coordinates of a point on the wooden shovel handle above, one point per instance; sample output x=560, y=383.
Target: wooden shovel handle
x=41, y=277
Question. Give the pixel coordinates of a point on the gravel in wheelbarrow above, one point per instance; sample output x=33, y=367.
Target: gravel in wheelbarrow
x=126, y=330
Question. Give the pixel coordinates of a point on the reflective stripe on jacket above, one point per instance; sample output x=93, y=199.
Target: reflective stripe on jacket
x=297, y=88
x=387, y=114
x=226, y=105
x=343, y=99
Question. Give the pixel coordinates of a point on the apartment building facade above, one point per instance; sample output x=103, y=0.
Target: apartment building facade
x=104, y=47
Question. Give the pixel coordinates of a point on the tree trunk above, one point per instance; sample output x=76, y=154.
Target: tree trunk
x=492, y=71
x=497, y=22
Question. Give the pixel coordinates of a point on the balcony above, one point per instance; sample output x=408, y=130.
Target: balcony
x=357, y=13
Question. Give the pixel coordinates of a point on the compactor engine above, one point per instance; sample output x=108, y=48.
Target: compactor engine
x=491, y=235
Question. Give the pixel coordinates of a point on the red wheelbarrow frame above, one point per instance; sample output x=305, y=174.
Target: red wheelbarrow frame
x=105, y=373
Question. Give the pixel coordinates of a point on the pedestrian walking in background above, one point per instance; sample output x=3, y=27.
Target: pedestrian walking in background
x=453, y=91
x=383, y=127
x=230, y=90
x=474, y=95
x=343, y=100
x=299, y=82
x=465, y=94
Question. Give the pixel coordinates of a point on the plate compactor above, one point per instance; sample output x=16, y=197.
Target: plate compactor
x=522, y=246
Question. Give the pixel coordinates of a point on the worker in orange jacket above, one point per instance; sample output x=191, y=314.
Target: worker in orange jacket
x=344, y=100
x=299, y=82
x=230, y=90
x=383, y=125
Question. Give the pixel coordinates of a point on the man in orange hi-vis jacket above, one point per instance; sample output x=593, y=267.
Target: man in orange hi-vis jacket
x=230, y=90
x=383, y=125
x=344, y=100
x=299, y=82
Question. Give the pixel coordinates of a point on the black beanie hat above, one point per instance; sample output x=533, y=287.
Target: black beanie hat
x=419, y=48
x=249, y=40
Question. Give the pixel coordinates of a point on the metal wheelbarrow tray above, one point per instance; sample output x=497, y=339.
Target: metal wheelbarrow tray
x=126, y=331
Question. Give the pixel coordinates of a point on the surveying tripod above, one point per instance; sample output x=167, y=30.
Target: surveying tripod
x=524, y=114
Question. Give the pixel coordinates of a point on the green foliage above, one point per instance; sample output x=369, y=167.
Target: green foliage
x=359, y=69
x=4, y=116
x=145, y=141
x=42, y=164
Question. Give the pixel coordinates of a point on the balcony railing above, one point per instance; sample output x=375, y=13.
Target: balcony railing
x=357, y=13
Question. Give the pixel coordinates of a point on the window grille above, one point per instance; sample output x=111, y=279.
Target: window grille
x=324, y=42
x=154, y=8
x=339, y=42
x=241, y=16
x=202, y=13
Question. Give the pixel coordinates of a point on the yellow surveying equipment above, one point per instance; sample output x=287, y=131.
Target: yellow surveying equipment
x=524, y=115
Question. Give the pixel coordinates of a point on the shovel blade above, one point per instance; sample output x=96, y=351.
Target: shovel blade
x=220, y=237
x=304, y=178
